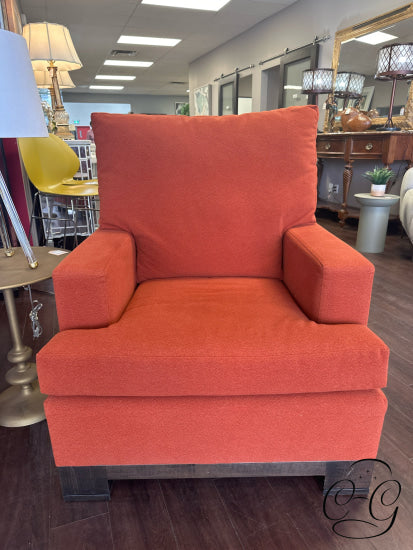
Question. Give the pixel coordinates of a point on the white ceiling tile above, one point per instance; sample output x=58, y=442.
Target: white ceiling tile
x=96, y=25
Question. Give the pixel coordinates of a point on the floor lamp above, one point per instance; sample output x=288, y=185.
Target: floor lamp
x=21, y=115
x=51, y=48
x=395, y=62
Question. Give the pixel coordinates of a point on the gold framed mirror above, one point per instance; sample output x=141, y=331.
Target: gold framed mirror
x=350, y=54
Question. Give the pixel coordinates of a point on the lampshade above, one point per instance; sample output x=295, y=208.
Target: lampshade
x=349, y=84
x=21, y=113
x=51, y=42
x=395, y=61
x=43, y=79
x=318, y=81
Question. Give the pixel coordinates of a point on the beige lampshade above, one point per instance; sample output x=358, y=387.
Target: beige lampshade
x=43, y=79
x=51, y=42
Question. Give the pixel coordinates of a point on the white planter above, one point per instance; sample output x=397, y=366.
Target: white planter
x=377, y=190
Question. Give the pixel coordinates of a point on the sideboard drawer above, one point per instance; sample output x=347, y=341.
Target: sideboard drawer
x=367, y=146
x=329, y=146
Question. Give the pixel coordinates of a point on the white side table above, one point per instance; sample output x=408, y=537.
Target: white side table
x=374, y=217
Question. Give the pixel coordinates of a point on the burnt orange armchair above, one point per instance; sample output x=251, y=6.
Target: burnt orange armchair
x=210, y=327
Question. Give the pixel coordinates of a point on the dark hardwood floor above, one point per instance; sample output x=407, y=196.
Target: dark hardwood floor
x=221, y=514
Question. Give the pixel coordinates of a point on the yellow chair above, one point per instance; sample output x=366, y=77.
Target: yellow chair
x=65, y=206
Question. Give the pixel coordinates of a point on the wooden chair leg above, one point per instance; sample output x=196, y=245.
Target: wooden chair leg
x=340, y=477
x=84, y=483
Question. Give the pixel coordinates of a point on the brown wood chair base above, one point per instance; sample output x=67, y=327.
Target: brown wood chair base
x=90, y=483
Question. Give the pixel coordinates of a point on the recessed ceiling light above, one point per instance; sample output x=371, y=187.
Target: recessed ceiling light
x=113, y=77
x=148, y=40
x=376, y=37
x=95, y=87
x=115, y=62
x=209, y=5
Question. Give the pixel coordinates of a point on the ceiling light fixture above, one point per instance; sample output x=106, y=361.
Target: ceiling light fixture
x=116, y=63
x=148, y=40
x=95, y=87
x=376, y=37
x=113, y=77
x=207, y=5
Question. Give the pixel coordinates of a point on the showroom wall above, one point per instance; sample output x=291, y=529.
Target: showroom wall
x=295, y=26
x=149, y=104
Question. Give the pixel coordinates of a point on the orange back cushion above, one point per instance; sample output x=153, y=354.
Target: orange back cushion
x=207, y=196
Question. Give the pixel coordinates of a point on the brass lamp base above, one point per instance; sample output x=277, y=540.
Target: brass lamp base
x=63, y=132
x=21, y=406
x=61, y=118
x=22, y=403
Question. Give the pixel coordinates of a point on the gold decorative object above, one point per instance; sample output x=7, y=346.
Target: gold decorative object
x=380, y=22
x=51, y=48
x=353, y=120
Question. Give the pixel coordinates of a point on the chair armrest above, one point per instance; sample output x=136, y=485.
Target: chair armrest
x=329, y=280
x=95, y=282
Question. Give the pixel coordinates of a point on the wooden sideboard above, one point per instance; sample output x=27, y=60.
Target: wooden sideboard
x=387, y=147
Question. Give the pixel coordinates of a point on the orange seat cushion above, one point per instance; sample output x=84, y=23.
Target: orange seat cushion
x=207, y=196
x=212, y=336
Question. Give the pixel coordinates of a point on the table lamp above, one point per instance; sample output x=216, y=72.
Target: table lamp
x=395, y=62
x=349, y=86
x=43, y=80
x=320, y=81
x=51, y=48
x=21, y=115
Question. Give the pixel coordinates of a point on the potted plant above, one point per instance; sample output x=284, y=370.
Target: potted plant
x=379, y=178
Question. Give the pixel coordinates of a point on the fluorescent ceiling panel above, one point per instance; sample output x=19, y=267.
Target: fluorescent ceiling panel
x=95, y=87
x=376, y=37
x=208, y=5
x=113, y=77
x=148, y=40
x=118, y=63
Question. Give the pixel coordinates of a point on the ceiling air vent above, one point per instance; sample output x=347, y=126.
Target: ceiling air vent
x=130, y=53
x=177, y=82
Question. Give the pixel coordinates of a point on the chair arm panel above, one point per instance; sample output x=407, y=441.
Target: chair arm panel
x=95, y=282
x=330, y=281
